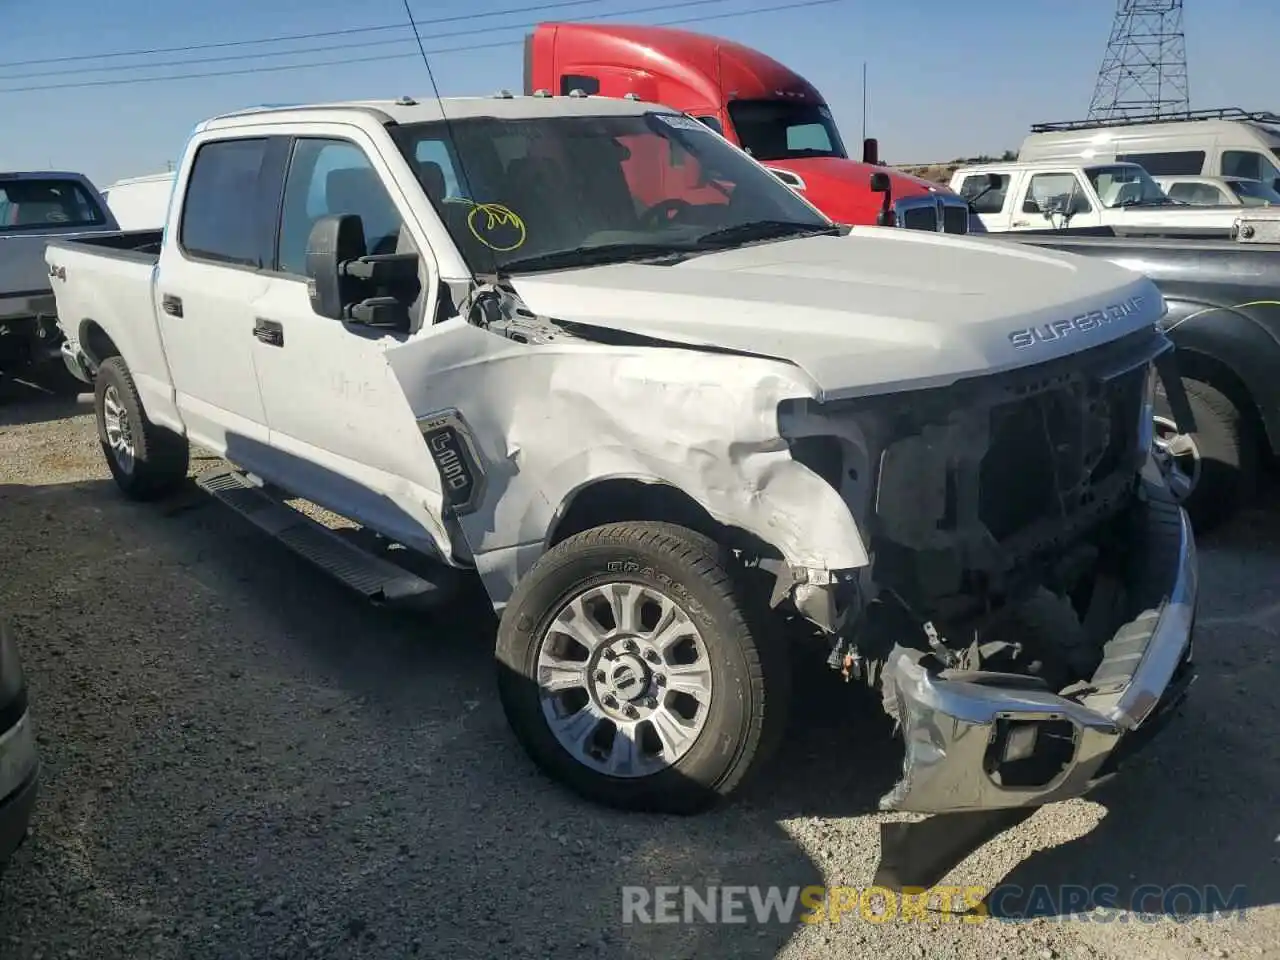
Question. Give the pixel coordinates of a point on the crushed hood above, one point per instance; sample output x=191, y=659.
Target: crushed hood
x=876, y=311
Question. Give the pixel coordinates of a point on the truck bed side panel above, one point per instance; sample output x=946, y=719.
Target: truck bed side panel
x=114, y=290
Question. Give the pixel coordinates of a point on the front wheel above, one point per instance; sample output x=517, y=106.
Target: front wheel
x=635, y=669
x=1214, y=471
x=146, y=460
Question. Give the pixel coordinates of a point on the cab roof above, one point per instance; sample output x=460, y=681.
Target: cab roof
x=1066, y=163
x=428, y=108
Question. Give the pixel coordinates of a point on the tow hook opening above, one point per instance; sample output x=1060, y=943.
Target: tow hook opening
x=1029, y=752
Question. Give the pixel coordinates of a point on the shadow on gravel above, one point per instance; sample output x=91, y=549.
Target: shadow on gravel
x=244, y=760
x=32, y=401
x=1190, y=828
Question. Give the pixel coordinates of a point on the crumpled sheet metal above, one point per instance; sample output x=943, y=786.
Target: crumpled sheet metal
x=550, y=419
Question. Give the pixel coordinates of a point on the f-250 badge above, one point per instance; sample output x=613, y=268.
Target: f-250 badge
x=461, y=471
x=1082, y=323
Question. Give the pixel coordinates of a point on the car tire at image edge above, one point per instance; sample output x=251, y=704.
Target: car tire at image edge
x=724, y=650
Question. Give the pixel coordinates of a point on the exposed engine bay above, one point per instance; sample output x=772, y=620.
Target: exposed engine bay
x=1008, y=524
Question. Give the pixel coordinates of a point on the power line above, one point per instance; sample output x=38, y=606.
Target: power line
x=344, y=61
x=349, y=31
x=331, y=47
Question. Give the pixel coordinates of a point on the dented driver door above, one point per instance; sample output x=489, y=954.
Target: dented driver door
x=341, y=433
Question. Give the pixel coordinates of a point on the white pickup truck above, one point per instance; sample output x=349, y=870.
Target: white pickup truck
x=1053, y=195
x=675, y=436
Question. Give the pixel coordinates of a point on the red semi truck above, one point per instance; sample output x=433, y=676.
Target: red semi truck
x=751, y=99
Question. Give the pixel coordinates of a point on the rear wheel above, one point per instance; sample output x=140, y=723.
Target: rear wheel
x=635, y=669
x=1214, y=469
x=146, y=460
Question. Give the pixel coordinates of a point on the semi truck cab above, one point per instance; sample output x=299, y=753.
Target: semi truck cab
x=755, y=102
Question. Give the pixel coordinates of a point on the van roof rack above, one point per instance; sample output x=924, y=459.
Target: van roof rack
x=1220, y=113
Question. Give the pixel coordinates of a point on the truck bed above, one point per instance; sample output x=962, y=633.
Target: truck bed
x=108, y=281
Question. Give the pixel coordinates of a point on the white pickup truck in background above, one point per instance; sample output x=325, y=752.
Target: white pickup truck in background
x=1045, y=195
x=666, y=432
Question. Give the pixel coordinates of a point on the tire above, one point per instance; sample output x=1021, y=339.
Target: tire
x=160, y=457
x=750, y=678
x=1223, y=450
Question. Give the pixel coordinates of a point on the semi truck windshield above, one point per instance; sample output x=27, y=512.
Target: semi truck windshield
x=782, y=130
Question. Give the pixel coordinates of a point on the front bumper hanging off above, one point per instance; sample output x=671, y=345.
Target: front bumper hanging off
x=965, y=732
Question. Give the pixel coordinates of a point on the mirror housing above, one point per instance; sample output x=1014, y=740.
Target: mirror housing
x=341, y=276
x=871, y=151
x=333, y=240
x=880, y=183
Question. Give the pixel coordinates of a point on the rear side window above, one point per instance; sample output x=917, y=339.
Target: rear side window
x=44, y=203
x=993, y=200
x=1185, y=163
x=570, y=82
x=220, y=214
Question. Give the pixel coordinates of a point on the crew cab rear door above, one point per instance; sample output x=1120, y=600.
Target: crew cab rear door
x=210, y=276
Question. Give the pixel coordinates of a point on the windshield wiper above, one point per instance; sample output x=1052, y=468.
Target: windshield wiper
x=586, y=256
x=763, y=230
x=1147, y=202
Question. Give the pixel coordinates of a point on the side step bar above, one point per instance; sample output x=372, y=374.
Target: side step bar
x=379, y=580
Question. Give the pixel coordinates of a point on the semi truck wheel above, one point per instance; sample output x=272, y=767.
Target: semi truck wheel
x=635, y=669
x=146, y=460
x=1216, y=467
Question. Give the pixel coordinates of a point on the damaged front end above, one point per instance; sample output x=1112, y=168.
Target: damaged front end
x=1027, y=613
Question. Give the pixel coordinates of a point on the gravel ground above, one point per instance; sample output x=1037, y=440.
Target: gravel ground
x=243, y=760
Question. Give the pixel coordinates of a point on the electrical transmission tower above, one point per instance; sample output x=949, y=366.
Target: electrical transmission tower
x=1144, y=71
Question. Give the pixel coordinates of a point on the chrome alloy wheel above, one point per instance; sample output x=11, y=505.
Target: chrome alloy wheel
x=115, y=421
x=1179, y=457
x=625, y=679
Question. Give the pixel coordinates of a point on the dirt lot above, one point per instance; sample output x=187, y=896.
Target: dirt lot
x=242, y=760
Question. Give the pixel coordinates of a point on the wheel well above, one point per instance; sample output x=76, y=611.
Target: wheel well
x=1193, y=365
x=619, y=500
x=96, y=344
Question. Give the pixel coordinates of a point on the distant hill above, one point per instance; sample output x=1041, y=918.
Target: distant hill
x=941, y=172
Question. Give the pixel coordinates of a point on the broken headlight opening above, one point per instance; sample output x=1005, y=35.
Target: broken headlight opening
x=1025, y=556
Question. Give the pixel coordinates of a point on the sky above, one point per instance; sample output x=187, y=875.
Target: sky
x=945, y=79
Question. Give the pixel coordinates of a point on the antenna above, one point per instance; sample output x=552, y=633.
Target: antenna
x=1144, y=70
x=465, y=183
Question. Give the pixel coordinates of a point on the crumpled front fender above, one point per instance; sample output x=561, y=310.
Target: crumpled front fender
x=546, y=421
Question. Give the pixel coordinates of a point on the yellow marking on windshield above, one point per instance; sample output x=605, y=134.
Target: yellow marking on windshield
x=497, y=216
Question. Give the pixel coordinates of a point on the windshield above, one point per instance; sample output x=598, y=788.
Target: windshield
x=1126, y=185
x=36, y=203
x=549, y=193
x=1254, y=193
x=783, y=130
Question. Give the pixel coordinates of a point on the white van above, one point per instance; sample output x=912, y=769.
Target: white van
x=140, y=203
x=1216, y=143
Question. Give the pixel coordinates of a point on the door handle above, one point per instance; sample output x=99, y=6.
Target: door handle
x=171, y=305
x=1020, y=223
x=269, y=332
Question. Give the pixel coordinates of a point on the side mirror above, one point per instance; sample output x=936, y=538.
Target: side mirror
x=880, y=183
x=346, y=284
x=993, y=181
x=333, y=241
x=871, y=151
